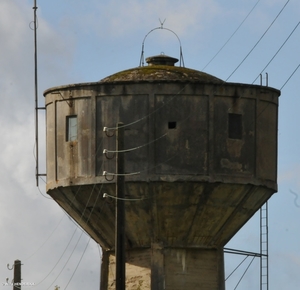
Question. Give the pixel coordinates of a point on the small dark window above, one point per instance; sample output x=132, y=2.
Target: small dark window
x=235, y=127
x=172, y=125
x=71, y=127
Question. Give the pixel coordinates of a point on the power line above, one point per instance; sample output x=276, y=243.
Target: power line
x=278, y=50
x=244, y=273
x=46, y=239
x=147, y=116
x=232, y=35
x=290, y=77
x=78, y=263
x=79, y=236
x=89, y=238
x=135, y=148
x=258, y=41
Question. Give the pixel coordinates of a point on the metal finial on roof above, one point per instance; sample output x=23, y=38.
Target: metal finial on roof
x=162, y=23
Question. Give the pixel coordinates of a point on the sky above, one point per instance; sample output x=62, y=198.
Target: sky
x=85, y=41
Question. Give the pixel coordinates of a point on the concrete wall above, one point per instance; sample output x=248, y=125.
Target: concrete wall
x=161, y=268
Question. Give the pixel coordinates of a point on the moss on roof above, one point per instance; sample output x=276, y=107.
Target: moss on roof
x=161, y=72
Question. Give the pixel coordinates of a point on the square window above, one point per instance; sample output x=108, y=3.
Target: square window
x=71, y=126
x=172, y=125
x=235, y=127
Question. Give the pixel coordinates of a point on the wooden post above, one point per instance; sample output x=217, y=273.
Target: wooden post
x=17, y=275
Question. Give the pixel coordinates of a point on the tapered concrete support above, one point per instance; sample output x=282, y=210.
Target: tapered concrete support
x=162, y=268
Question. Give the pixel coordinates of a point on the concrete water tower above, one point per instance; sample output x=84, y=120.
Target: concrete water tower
x=206, y=153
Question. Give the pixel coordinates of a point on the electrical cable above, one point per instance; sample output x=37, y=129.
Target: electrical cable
x=67, y=244
x=135, y=148
x=78, y=263
x=56, y=262
x=88, y=240
x=77, y=239
x=45, y=240
x=258, y=41
x=278, y=51
x=231, y=35
x=78, y=242
x=77, y=227
x=125, y=199
x=290, y=77
x=236, y=268
x=105, y=173
x=244, y=273
x=147, y=116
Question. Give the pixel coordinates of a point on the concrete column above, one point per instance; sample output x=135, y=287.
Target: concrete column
x=161, y=268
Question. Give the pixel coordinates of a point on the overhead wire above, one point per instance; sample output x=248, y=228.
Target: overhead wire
x=135, y=148
x=88, y=240
x=148, y=115
x=46, y=240
x=290, y=77
x=71, y=201
x=244, y=273
x=76, y=242
x=82, y=231
x=236, y=268
x=258, y=40
x=278, y=50
x=231, y=35
x=78, y=263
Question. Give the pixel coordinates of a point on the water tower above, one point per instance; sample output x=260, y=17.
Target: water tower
x=203, y=161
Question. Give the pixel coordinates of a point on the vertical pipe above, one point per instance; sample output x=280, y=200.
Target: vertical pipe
x=36, y=99
x=120, y=211
x=260, y=79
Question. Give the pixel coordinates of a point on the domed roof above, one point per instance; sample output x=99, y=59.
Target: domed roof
x=160, y=68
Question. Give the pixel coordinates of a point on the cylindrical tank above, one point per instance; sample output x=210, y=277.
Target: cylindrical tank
x=206, y=156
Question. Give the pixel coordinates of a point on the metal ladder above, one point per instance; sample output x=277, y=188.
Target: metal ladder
x=264, y=262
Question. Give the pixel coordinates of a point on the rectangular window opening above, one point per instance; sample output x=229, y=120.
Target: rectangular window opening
x=235, y=126
x=71, y=134
x=172, y=125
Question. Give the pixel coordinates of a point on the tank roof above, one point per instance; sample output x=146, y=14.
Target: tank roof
x=161, y=72
x=161, y=67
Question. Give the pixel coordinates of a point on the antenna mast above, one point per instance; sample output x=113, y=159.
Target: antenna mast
x=37, y=108
x=36, y=98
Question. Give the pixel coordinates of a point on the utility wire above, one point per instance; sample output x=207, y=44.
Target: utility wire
x=78, y=263
x=290, y=77
x=135, y=148
x=70, y=203
x=258, y=41
x=89, y=238
x=57, y=261
x=46, y=239
x=78, y=238
x=244, y=273
x=277, y=51
x=147, y=116
x=232, y=35
x=236, y=268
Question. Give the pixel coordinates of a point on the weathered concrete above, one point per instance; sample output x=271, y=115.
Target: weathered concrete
x=206, y=157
